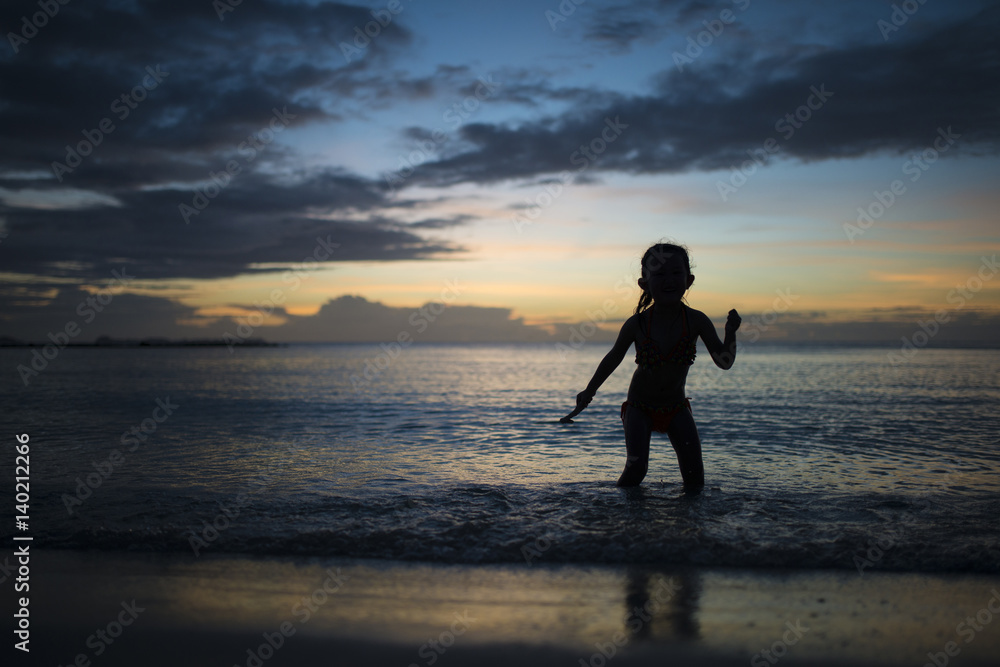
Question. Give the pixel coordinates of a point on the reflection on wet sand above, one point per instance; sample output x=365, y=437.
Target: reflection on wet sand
x=662, y=607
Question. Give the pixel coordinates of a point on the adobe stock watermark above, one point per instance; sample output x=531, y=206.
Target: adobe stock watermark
x=779, y=648
x=122, y=106
x=6, y=570
x=755, y=325
x=38, y=20
x=436, y=647
x=223, y=7
x=106, y=636
x=565, y=9
x=578, y=336
x=705, y=377
x=372, y=29
x=302, y=610
x=876, y=550
x=787, y=125
x=634, y=620
x=454, y=116
x=132, y=438
x=294, y=277
x=957, y=298
x=88, y=310
x=705, y=38
x=915, y=167
x=248, y=150
x=901, y=13
x=879, y=546
x=967, y=630
x=229, y=512
x=419, y=320
x=536, y=547
x=583, y=157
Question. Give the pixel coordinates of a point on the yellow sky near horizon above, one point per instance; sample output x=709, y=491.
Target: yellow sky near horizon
x=565, y=288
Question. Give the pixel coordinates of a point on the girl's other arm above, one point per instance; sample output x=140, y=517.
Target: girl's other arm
x=611, y=360
x=723, y=352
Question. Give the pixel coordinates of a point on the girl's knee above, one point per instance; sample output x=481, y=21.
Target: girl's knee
x=635, y=471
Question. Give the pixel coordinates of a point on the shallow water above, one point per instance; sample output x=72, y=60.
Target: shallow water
x=814, y=457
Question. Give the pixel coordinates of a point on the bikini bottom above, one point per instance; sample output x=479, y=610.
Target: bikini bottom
x=661, y=417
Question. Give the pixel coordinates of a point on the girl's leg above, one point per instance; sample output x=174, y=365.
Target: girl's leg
x=638, y=427
x=683, y=434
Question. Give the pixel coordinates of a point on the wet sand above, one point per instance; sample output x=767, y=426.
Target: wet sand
x=152, y=609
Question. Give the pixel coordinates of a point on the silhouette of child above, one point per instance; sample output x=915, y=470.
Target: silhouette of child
x=664, y=331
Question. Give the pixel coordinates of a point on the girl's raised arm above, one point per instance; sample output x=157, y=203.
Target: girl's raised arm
x=723, y=352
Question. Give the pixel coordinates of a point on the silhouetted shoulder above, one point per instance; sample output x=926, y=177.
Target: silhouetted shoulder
x=702, y=326
x=631, y=323
x=698, y=319
x=627, y=335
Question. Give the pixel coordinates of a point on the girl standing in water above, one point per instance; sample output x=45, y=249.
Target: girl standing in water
x=664, y=331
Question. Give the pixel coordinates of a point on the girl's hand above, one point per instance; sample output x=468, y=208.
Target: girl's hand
x=733, y=322
x=583, y=399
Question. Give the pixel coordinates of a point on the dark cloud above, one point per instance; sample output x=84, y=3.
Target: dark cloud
x=619, y=33
x=886, y=98
x=350, y=319
x=345, y=319
x=220, y=78
x=965, y=328
x=220, y=85
x=251, y=221
x=355, y=319
x=442, y=223
x=200, y=93
x=109, y=312
x=619, y=26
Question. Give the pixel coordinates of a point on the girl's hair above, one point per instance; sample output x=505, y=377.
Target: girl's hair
x=658, y=252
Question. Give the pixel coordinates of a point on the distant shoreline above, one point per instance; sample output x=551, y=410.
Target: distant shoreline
x=144, y=342
x=105, y=342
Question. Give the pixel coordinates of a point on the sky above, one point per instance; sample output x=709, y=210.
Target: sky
x=454, y=171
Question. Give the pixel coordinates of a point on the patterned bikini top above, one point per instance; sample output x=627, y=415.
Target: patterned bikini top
x=648, y=355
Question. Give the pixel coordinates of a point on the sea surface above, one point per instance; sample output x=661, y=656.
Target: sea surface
x=815, y=457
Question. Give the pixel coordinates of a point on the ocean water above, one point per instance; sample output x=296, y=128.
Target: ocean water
x=814, y=457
